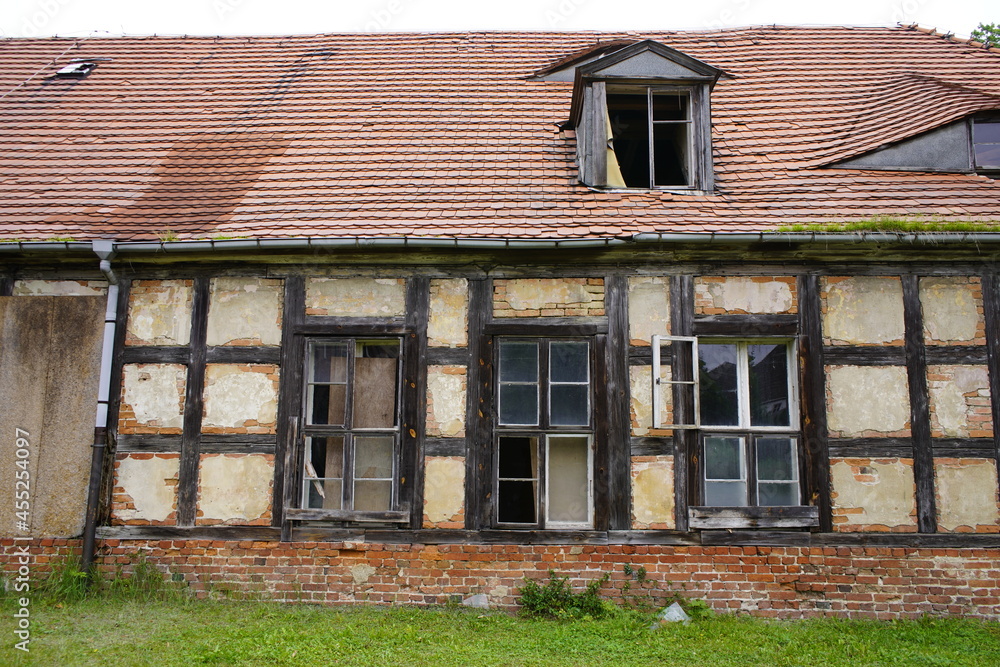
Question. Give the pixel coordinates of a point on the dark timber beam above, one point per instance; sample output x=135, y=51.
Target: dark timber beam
x=815, y=445
x=187, y=478
x=920, y=415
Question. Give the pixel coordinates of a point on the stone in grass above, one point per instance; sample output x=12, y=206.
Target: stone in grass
x=672, y=614
x=477, y=602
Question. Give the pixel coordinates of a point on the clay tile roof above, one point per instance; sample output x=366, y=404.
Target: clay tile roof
x=448, y=135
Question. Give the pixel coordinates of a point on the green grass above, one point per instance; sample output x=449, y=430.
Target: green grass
x=181, y=631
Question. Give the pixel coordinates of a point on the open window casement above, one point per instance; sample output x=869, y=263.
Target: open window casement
x=663, y=387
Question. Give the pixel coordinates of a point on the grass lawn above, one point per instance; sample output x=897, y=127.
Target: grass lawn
x=111, y=631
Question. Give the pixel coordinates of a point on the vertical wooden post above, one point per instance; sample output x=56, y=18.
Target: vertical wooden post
x=812, y=380
x=187, y=478
x=479, y=453
x=920, y=416
x=414, y=398
x=289, y=393
x=991, y=308
x=686, y=459
x=618, y=435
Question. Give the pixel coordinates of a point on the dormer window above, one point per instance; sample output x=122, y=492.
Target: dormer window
x=652, y=134
x=641, y=115
x=986, y=144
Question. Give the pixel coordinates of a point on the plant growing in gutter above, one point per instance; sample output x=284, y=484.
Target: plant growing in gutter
x=912, y=225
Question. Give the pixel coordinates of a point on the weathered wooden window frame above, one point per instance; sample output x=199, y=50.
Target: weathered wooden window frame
x=595, y=142
x=398, y=512
x=543, y=431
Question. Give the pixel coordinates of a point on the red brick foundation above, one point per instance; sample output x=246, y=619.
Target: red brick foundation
x=781, y=582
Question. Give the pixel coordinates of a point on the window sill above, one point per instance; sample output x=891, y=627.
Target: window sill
x=801, y=516
x=392, y=516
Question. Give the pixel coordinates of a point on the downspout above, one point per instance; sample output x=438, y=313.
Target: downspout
x=105, y=251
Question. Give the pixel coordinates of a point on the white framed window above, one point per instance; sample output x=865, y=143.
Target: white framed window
x=544, y=434
x=749, y=421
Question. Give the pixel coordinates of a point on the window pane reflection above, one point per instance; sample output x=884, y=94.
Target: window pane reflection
x=718, y=395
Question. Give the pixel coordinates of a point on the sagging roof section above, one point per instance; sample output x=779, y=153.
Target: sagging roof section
x=456, y=136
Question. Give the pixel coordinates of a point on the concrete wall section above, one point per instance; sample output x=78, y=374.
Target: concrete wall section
x=652, y=492
x=145, y=489
x=641, y=399
x=965, y=492
x=867, y=401
x=444, y=492
x=960, y=401
x=446, y=390
x=648, y=308
x=548, y=297
x=159, y=312
x=245, y=311
x=50, y=358
x=240, y=398
x=730, y=295
x=235, y=489
x=862, y=310
x=448, y=320
x=356, y=297
x=152, y=398
x=873, y=495
x=953, y=311
x=60, y=288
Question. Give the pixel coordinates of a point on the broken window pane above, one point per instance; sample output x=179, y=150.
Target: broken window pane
x=630, y=132
x=568, y=478
x=718, y=390
x=670, y=106
x=518, y=480
x=768, y=378
x=375, y=384
x=324, y=472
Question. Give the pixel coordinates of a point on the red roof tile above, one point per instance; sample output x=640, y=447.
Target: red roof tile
x=446, y=135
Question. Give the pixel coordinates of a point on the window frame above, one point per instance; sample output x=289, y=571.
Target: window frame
x=544, y=432
x=349, y=433
x=973, y=122
x=745, y=429
x=595, y=141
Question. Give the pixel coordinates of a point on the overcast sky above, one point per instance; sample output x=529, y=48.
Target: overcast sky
x=34, y=18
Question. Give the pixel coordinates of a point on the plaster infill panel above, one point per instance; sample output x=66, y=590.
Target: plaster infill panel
x=152, y=398
x=240, y=398
x=159, y=312
x=652, y=492
x=245, y=311
x=953, y=311
x=745, y=295
x=60, y=288
x=446, y=392
x=876, y=495
x=862, y=310
x=960, y=401
x=356, y=297
x=444, y=492
x=966, y=497
x=448, y=319
x=548, y=297
x=867, y=401
x=641, y=399
x=648, y=308
x=145, y=491
x=235, y=489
